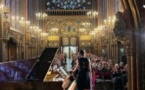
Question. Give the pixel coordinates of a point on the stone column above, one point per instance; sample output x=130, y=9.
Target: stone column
x=1, y=42
x=3, y=34
x=117, y=50
x=26, y=30
x=108, y=8
x=112, y=8
x=100, y=10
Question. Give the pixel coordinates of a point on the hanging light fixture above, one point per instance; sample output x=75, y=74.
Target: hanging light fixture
x=41, y=16
x=92, y=14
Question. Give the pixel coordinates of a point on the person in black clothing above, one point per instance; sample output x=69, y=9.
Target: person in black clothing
x=117, y=78
x=83, y=66
x=124, y=59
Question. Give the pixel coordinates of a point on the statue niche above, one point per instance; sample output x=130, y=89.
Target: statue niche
x=122, y=27
x=120, y=30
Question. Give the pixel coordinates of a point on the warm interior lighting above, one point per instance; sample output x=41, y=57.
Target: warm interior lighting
x=28, y=22
x=81, y=29
x=41, y=16
x=85, y=23
x=17, y=18
x=49, y=72
x=13, y=18
x=92, y=14
x=143, y=6
x=1, y=6
x=22, y=18
x=96, y=29
x=44, y=34
x=105, y=21
x=54, y=29
x=92, y=33
x=38, y=30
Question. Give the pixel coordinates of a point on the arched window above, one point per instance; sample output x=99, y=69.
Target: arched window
x=8, y=4
x=117, y=5
x=104, y=7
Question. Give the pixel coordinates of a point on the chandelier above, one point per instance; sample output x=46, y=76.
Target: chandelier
x=44, y=34
x=41, y=16
x=82, y=29
x=92, y=14
x=86, y=23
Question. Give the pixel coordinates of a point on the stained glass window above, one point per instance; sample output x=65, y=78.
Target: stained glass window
x=17, y=7
x=118, y=6
x=68, y=4
x=8, y=7
x=17, y=10
x=104, y=7
x=31, y=10
x=13, y=12
x=8, y=4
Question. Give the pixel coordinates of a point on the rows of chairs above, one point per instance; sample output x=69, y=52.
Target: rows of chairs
x=106, y=81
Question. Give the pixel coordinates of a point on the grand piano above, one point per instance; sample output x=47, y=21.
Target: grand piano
x=23, y=75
